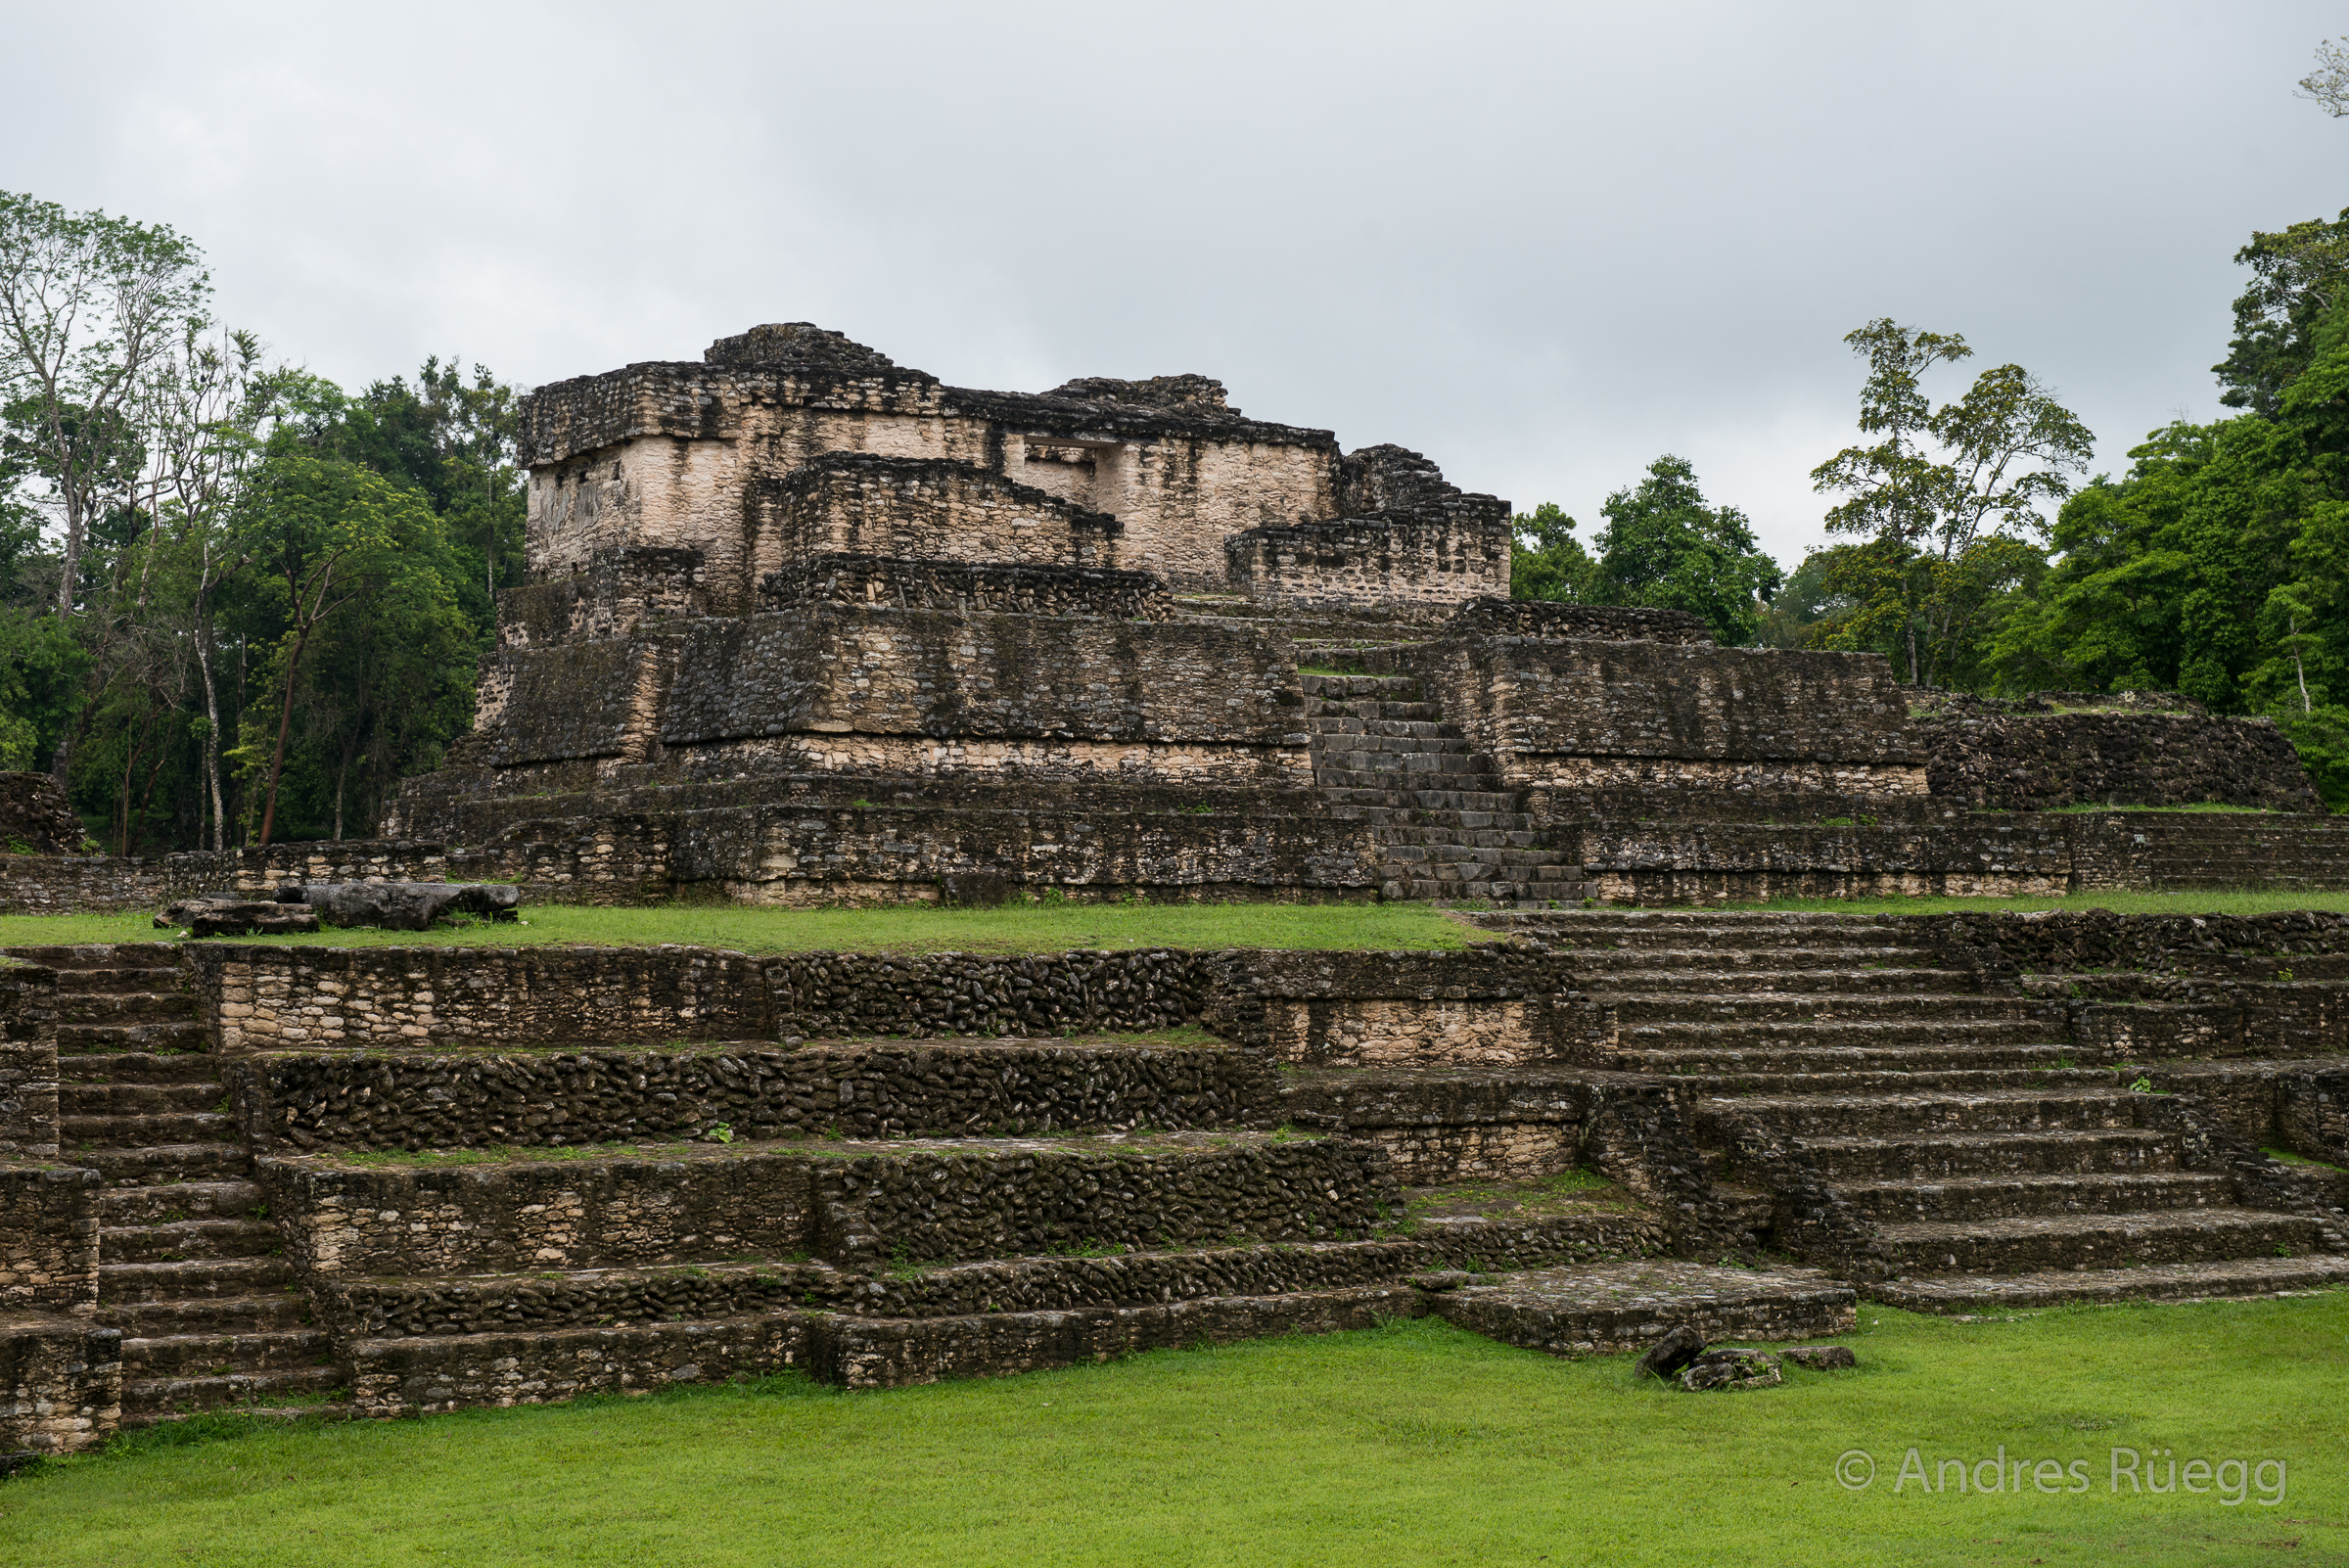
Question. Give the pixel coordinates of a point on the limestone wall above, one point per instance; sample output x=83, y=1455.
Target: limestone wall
x=910, y=508
x=61, y=1383
x=1578, y=713
x=2064, y=749
x=397, y=1099
x=48, y=1239
x=1372, y=561
x=256, y=996
x=79, y=883
x=29, y=1078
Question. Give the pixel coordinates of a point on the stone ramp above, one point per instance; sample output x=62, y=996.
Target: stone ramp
x=1628, y=1307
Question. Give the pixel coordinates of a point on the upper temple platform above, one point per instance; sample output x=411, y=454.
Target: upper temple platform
x=708, y=456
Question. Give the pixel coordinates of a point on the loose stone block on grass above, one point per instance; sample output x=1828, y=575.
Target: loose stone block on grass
x=1629, y=1306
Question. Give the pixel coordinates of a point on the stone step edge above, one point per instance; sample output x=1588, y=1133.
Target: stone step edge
x=2234, y=1278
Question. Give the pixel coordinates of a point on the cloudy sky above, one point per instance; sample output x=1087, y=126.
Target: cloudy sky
x=1541, y=244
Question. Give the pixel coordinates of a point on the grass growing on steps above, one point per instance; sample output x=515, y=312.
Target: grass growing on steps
x=1015, y=927
x=1416, y=1444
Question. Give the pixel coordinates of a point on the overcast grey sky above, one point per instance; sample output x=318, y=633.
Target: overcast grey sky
x=1541, y=244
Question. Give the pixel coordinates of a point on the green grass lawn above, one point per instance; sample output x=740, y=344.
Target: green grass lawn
x=1017, y=928
x=1412, y=1444
x=1056, y=928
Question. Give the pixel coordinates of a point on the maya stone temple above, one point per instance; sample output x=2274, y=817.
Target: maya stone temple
x=803, y=628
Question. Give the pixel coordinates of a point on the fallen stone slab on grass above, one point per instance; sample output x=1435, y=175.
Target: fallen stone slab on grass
x=1820, y=1358
x=1601, y=1310
x=1731, y=1370
x=402, y=905
x=231, y=915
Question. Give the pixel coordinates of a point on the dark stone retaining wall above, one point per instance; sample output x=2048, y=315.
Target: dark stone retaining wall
x=1580, y=712
x=860, y=1205
x=356, y=1306
x=2027, y=757
x=48, y=1239
x=879, y=1089
x=919, y=509
x=2311, y=1111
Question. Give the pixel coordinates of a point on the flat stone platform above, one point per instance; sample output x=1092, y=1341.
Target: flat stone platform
x=1628, y=1307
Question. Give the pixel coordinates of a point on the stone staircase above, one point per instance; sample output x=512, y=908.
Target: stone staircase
x=190, y=1268
x=1959, y=1127
x=1383, y=755
x=2239, y=850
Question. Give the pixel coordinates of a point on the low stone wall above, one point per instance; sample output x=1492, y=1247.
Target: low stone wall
x=255, y=997
x=251, y=869
x=422, y=1376
x=866, y=1091
x=1006, y=1202
x=967, y=588
x=1577, y=713
x=61, y=1383
x=2029, y=756
x=858, y=1204
x=603, y=1211
x=844, y=996
x=80, y=884
x=1373, y=561
x=48, y=1239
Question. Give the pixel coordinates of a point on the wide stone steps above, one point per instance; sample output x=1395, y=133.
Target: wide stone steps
x=1951, y=1156
x=138, y=1067
x=147, y=1130
x=2171, y=1281
x=188, y=1280
x=1969, y=1198
x=165, y=1164
x=182, y=1240
x=1670, y=1037
x=1837, y=957
x=209, y=1317
x=2028, y=1050
x=1417, y=797
x=1747, y=1007
x=83, y=1099
x=178, y=1200
x=1979, y=1080
x=2031, y=1243
x=211, y=1356
x=1834, y=984
x=168, y=1036
x=1526, y=892
x=121, y=1006
x=149, y=1401
x=1696, y=929
x=1992, y=1111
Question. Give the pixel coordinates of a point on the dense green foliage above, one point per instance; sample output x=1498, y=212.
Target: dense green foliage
x=1417, y=1442
x=234, y=601
x=1662, y=546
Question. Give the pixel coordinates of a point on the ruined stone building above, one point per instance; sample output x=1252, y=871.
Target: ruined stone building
x=803, y=627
